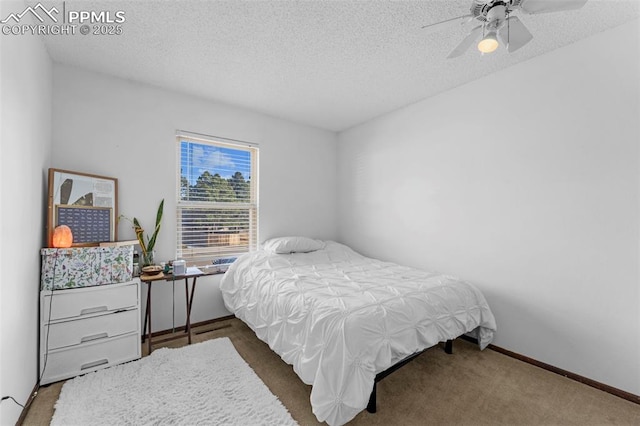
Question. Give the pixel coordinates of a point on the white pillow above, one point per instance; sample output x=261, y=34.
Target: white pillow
x=285, y=245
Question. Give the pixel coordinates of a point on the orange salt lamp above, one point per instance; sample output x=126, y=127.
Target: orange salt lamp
x=62, y=237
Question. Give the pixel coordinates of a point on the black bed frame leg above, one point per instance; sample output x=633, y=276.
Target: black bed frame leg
x=371, y=406
x=448, y=347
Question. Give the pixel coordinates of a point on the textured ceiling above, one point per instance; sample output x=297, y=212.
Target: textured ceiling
x=330, y=64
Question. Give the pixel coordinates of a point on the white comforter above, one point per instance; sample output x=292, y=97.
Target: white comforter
x=339, y=318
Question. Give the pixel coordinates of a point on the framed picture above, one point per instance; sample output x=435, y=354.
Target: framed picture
x=86, y=203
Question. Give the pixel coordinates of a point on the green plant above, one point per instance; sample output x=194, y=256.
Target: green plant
x=147, y=245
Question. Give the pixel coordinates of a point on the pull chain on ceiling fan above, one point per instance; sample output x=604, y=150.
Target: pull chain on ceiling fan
x=497, y=25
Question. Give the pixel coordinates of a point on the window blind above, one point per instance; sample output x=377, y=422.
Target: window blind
x=217, y=199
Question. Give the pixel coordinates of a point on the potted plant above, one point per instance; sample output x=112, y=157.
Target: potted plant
x=147, y=245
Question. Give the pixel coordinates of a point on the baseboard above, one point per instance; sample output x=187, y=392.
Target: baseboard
x=27, y=405
x=578, y=378
x=197, y=324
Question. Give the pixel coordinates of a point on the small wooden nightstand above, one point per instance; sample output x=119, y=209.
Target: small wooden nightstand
x=188, y=294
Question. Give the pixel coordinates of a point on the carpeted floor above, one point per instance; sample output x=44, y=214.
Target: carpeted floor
x=467, y=388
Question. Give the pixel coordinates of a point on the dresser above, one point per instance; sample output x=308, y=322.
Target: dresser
x=88, y=328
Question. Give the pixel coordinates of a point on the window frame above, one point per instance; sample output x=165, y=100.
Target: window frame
x=252, y=207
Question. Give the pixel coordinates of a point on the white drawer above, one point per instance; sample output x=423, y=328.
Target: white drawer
x=80, y=302
x=75, y=332
x=72, y=361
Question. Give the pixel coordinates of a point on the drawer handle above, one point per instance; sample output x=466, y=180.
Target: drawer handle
x=94, y=364
x=94, y=337
x=93, y=310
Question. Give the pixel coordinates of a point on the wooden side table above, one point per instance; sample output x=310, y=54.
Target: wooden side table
x=150, y=280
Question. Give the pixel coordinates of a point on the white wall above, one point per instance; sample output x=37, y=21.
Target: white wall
x=25, y=147
x=526, y=183
x=118, y=128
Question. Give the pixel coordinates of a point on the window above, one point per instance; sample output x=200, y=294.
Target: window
x=217, y=198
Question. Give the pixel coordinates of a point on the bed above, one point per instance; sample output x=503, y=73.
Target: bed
x=340, y=318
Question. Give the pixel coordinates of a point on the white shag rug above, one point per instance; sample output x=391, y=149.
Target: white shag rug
x=205, y=383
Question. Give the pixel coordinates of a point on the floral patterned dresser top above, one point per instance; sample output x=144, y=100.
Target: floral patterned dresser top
x=85, y=266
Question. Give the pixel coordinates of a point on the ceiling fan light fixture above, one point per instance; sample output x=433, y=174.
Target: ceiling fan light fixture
x=489, y=43
x=499, y=16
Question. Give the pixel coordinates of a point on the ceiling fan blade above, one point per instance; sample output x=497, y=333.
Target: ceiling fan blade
x=513, y=34
x=449, y=23
x=465, y=43
x=533, y=7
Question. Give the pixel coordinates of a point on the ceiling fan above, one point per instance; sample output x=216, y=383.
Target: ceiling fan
x=497, y=25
